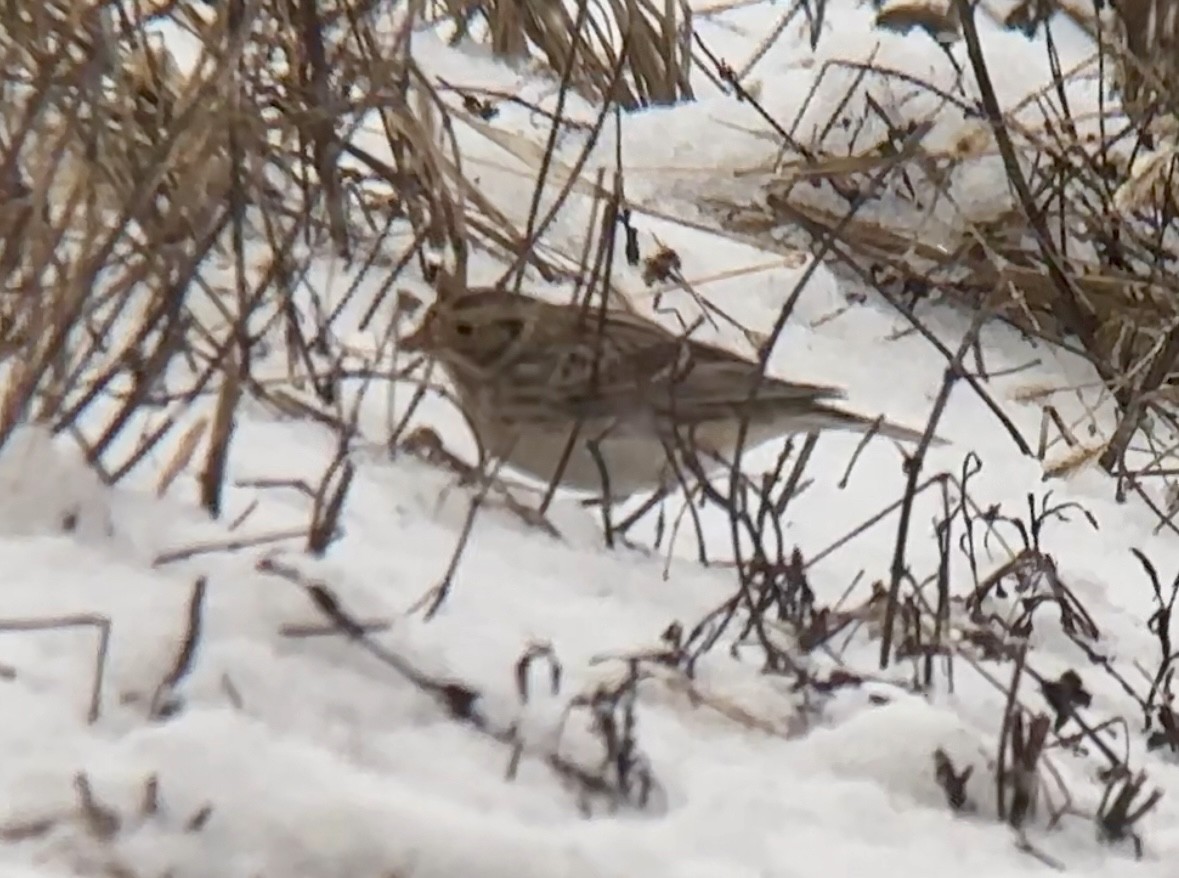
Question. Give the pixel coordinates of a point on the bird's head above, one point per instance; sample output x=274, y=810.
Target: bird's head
x=477, y=327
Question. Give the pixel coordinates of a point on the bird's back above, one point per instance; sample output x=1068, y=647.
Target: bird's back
x=622, y=363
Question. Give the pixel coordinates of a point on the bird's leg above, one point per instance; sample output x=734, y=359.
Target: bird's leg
x=594, y=447
x=665, y=488
x=679, y=449
x=555, y=481
x=685, y=458
x=701, y=492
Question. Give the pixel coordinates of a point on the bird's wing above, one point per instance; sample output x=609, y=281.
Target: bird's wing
x=638, y=369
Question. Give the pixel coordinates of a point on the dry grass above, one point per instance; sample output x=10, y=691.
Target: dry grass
x=159, y=215
x=160, y=210
x=1147, y=35
x=648, y=43
x=1086, y=252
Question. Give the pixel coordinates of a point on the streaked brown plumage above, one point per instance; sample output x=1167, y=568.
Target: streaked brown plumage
x=530, y=373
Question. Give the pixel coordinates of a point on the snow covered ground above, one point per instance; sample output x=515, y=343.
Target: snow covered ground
x=283, y=752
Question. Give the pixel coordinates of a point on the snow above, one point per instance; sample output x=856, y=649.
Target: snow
x=307, y=756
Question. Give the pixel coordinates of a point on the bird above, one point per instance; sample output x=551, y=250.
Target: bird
x=606, y=401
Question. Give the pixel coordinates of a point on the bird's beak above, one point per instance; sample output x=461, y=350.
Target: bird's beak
x=415, y=341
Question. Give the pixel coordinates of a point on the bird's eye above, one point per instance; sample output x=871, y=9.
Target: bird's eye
x=463, y=329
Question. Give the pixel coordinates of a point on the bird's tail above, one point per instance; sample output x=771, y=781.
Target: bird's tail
x=831, y=418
